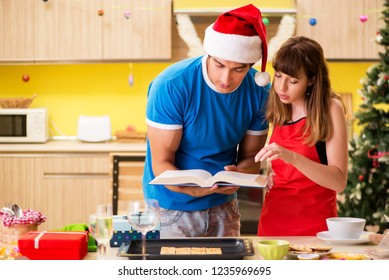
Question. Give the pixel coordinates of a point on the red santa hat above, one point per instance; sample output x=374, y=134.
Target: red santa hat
x=239, y=35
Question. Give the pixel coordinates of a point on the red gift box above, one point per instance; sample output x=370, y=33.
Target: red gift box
x=54, y=245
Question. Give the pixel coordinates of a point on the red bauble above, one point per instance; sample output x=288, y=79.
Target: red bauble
x=25, y=78
x=361, y=177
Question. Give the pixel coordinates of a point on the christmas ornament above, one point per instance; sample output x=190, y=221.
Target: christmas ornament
x=100, y=12
x=361, y=177
x=379, y=37
x=265, y=21
x=363, y=18
x=25, y=78
x=131, y=79
x=312, y=21
x=127, y=14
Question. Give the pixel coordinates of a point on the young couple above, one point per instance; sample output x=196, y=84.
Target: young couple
x=213, y=112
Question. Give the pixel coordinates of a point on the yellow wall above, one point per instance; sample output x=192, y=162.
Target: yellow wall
x=103, y=89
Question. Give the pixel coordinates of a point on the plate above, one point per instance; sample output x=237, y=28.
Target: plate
x=326, y=236
x=232, y=248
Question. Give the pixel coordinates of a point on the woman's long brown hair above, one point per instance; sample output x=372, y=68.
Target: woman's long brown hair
x=304, y=54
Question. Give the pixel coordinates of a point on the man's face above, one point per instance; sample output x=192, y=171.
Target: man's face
x=226, y=75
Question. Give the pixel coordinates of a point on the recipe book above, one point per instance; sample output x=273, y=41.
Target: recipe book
x=202, y=178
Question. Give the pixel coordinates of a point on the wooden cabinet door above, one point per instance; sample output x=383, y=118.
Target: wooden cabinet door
x=144, y=35
x=339, y=29
x=74, y=185
x=16, y=30
x=19, y=182
x=67, y=30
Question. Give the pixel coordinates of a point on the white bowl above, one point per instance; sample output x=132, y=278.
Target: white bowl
x=345, y=228
x=308, y=256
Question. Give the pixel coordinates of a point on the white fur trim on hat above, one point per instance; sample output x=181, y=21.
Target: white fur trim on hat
x=232, y=47
x=262, y=78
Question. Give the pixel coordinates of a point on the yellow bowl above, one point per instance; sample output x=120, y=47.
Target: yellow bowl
x=273, y=249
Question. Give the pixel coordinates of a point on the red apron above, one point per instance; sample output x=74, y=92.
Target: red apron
x=295, y=205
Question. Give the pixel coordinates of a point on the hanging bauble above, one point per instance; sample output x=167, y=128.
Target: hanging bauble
x=25, y=78
x=378, y=38
x=361, y=177
x=265, y=21
x=127, y=14
x=131, y=79
x=312, y=21
x=363, y=18
x=100, y=12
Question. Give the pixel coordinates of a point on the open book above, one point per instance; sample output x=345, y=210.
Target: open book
x=202, y=178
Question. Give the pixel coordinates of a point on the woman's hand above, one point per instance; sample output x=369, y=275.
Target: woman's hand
x=274, y=151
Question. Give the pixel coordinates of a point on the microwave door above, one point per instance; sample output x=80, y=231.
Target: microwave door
x=13, y=125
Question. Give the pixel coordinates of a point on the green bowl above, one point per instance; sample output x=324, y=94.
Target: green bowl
x=273, y=249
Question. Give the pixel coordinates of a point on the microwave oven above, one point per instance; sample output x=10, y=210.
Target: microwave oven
x=24, y=125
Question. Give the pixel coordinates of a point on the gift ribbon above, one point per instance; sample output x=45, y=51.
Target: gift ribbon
x=36, y=239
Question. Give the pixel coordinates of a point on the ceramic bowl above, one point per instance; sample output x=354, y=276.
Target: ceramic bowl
x=345, y=228
x=273, y=249
x=308, y=256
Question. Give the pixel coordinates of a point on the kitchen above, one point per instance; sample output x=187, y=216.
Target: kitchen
x=111, y=88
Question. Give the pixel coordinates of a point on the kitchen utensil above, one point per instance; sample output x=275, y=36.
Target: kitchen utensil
x=17, y=210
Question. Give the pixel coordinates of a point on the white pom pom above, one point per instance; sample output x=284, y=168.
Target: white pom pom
x=262, y=78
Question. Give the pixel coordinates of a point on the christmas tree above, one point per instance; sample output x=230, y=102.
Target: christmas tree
x=367, y=191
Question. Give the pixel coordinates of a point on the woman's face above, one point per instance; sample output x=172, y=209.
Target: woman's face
x=226, y=75
x=291, y=89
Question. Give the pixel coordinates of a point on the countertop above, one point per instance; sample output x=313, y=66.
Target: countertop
x=53, y=146
x=347, y=248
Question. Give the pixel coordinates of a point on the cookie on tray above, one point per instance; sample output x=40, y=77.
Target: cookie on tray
x=168, y=250
x=213, y=251
x=198, y=251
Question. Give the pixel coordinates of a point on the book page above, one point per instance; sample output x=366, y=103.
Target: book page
x=239, y=179
x=183, y=177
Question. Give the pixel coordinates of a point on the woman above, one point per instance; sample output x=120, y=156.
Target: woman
x=307, y=152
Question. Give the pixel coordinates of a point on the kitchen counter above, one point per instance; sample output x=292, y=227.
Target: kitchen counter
x=55, y=146
x=355, y=248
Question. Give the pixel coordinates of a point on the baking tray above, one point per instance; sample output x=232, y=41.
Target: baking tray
x=232, y=248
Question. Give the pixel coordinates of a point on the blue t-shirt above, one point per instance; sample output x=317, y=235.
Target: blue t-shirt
x=212, y=123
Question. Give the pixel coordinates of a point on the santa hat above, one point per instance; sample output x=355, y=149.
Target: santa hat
x=239, y=35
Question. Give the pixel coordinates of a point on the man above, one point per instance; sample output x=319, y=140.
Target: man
x=208, y=113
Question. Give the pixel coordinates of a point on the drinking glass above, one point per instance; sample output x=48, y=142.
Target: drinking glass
x=143, y=215
x=101, y=228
